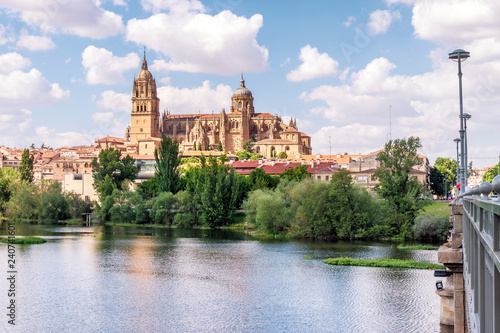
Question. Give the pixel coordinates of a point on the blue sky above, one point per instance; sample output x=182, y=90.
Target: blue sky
x=339, y=67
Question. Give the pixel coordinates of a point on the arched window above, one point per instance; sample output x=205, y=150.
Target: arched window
x=137, y=108
x=141, y=107
x=240, y=105
x=257, y=150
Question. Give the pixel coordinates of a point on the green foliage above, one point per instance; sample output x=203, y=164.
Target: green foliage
x=167, y=162
x=188, y=211
x=219, y=146
x=382, y=262
x=401, y=191
x=191, y=159
x=282, y=155
x=491, y=173
x=259, y=179
x=25, y=202
x=26, y=166
x=194, y=146
x=163, y=208
x=295, y=174
x=207, y=146
x=448, y=167
x=24, y=240
x=148, y=189
x=431, y=229
x=437, y=179
x=248, y=146
x=217, y=190
x=110, y=172
x=244, y=155
x=77, y=206
x=54, y=206
x=8, y=179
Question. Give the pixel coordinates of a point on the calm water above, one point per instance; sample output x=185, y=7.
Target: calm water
x=115, y=279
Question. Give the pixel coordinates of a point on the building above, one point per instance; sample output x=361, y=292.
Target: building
x=270, y=135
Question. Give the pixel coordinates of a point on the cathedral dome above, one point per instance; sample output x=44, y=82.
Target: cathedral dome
x=144, y=74
x=242, y=90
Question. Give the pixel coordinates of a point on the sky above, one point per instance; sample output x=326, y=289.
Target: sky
x=353, y=73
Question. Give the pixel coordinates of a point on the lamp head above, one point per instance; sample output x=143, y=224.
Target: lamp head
x=457, y=140
x=459, y=54
x=466, y=116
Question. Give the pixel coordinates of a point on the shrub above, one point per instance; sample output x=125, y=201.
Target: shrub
x=431, y=228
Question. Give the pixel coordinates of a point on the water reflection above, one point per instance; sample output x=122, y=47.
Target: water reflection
x=172, y=280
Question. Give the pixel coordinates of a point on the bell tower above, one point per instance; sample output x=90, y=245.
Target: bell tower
x=145, y=116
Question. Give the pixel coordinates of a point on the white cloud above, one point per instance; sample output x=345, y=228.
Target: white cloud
x=174, y=6
x=314, y=65
x=120, y=3
x=3, y=32
x=20, y=89
x=13, y=61
x=286, y=62
x=115, y=101
x=102, y=67
x=380, y=21
x=423, y=105
x=456, y=22
x=202, y=99
x=223, y=44
x=51, y=138
x=35, y=43
x=84, y=18
x=350, y=21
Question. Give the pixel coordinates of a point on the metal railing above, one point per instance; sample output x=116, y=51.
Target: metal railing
x=481, y=257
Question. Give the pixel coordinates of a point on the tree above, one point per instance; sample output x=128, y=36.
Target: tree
x=448, y=167
x=26, y=167
x=219, y=146
x=8, y=178
x=194, y=146
x=53, y=204
x=282, y=155
x=401, y=191
x=491, y=173
x=167, y=163
x=297, y=174
x=248, y=146
x=207, y=146
x=217, y=190
x=437, y=180
x=110, y=172
x=163, y=208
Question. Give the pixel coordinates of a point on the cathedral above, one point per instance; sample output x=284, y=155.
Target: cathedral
x=231, y=129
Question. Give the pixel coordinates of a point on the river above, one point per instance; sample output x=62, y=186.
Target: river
x=127, y=279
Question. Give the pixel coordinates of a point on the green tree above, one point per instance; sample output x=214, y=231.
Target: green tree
x=437, y=180
x=259, y=179
x=25, y=201
x=401, y=191
x=448, y=167
x=194, y=146
x=282, y=155
x=297, y=174
x=219, y=146
x=53, y=203
x=207, y=146
x=110, y=172
x=167, y=165
x=217, y=189
x=491, y=173
x=163, y=208
x=26, y=167
x=8, y=179
x=77, y=206
x=248, y=146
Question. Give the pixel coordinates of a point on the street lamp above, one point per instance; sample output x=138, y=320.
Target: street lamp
x=460, y=55
x=466, y=117
x=457, y=141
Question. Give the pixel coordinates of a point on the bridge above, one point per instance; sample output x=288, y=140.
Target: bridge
x=471, y=302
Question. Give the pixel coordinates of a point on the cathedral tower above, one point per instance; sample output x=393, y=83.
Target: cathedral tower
x=145, y=118
x=242, y=99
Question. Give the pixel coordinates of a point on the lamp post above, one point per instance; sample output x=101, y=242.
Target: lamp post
x=460, y=55
x=445, y=192
x=457, y=141
x=466, y=158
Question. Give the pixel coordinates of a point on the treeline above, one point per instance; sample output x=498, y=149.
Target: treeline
x=207, y=194
x=20, y=199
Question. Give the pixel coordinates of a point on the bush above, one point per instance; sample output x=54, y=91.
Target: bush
x=431, y=228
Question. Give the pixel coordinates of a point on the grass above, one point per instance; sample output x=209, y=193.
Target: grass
x=437, y=208
x=417, y=247
x=24, y=240
x=382, y=262
x=308, y=257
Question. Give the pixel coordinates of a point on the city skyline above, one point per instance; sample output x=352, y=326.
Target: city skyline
x=343, y=70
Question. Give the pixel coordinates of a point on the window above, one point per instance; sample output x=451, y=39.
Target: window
x=240, y=105
x=362, y=178
x=327, y=178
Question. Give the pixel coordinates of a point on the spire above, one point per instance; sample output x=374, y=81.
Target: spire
x=144, y=62
x=242, y=81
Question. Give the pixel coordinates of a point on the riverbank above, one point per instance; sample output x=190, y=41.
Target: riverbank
x=382, y=262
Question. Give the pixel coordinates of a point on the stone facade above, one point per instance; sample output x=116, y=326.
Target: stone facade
x=270, y=135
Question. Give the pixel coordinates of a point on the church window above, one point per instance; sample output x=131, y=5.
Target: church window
x=287, y=148
x=237, y=125
x=240, y=105
x=248, y=104
x=137, y=108
x=145, y=108
x=257, y=150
